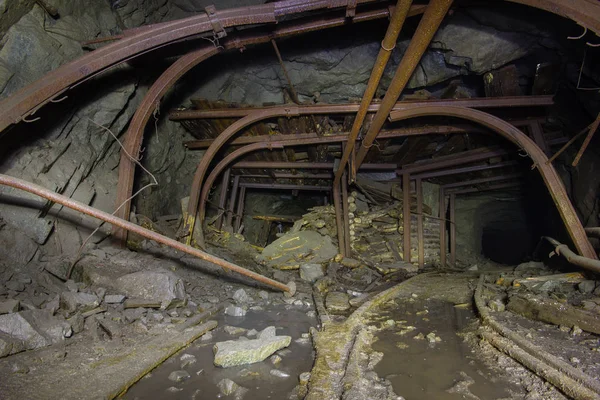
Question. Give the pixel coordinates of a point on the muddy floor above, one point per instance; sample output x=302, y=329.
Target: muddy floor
x=257, y=378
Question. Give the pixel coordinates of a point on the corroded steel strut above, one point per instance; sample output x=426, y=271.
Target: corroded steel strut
x=111, y=219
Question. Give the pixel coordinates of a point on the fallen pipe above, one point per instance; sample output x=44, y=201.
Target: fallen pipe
x=570, y=380
x=580, y=261
x=121, y=223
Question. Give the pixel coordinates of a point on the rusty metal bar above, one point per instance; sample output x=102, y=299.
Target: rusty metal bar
x=283, y=186
x=475, y=168
x=564, y=251
x=339, y=219
x=240, y=210
x=498, y=186
x=385, y=134
x=420, y=232
x=428, y=26
x=480, y=181
x=453, y=160
x=280, y=175
x=480, y=102
x=346, y=217
x=293, y=92
x=406, y=217
x=587, y=140
x=387, y=46
x=305, y=165
x=234, y=191
x=148, y=234
x=223, y=198
x=442, y=214
x=537, y=134
x=452, y=230
x=549, y=175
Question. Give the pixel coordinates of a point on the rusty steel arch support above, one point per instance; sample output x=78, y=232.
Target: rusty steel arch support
x=135, y=132
x=508, y=131
x=34, y=96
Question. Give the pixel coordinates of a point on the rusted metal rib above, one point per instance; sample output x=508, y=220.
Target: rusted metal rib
x=27, y=100
x=431, y=20
x=478, y=102
x=475, y=168
x=549, y=175
x=134, y=136
x=346, y=217
x=111, y=219
x=304, y=165
x=480, y=181
x=339, y=220
x=283, y=186
x=387, y=45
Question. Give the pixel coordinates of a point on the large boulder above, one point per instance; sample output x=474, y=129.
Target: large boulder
x=241, y=352
x=29, y=330
x=293, y=249
x=164, y=287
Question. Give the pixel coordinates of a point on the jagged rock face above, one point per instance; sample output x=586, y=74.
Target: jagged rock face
x=337, y=69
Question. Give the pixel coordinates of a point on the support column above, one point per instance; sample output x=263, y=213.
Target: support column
x=442, y=228
x=234, y=191
x=406, y=216
x=452, y=231
x=346, y=212
x=339, y=220
x=223, y=198
x=420, y=234
x=240, y=210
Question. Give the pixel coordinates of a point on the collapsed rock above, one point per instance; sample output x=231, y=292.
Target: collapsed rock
x=337, y=301
x=240, y=352
x=9, y=306
x=311, y=272
x=294, y=248
x=164, y=287
x=29, y=330
x=78, y=301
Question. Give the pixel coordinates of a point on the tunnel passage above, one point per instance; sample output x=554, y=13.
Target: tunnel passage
x=506, y=238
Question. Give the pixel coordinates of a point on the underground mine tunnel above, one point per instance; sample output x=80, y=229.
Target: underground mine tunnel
x=299, y=199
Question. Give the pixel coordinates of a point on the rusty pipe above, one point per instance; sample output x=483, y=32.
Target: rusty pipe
x=387, y=46
x=148, y=234
x=572, y=258
x=339, y=221
x=431, y=20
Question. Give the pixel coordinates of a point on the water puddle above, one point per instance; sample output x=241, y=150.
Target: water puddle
x=297, y=358
x=446, y=369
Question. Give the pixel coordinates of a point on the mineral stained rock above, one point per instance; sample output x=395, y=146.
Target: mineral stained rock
x=337, y=301
x=241, y=352
x=164, y=287
x=292, y=249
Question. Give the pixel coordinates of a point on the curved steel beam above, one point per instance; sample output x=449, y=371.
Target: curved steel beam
x=32, y=97
x=508, y=131
x=135, y=133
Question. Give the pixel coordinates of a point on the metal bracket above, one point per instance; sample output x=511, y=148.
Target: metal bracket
x=351, y=8
x=218, y=29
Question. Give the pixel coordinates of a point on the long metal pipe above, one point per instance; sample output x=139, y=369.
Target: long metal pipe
x=387, y=46
x=428, y=26
x=305, y=165
x=148, y=234
x=564, y=251
x=551, y=179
